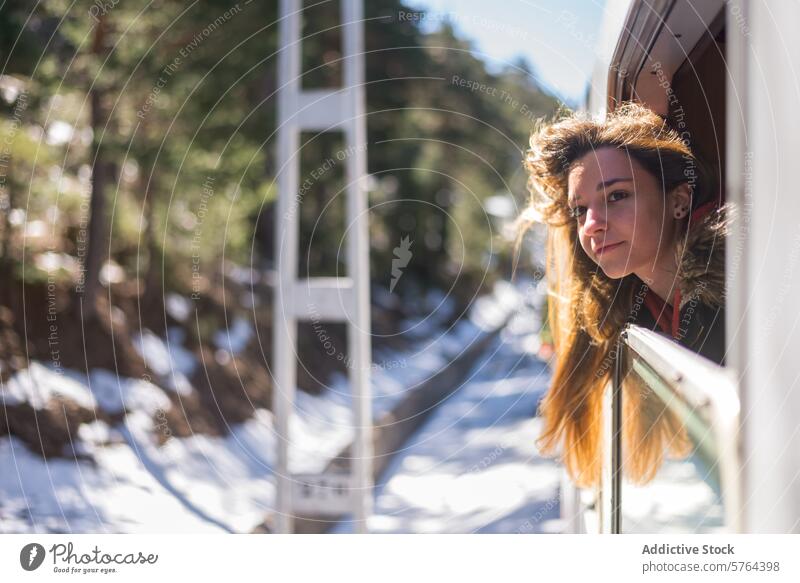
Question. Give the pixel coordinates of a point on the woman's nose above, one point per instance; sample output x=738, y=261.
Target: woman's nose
x=595, y=221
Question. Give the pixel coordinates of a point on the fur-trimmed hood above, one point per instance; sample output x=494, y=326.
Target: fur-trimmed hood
x=699, y=321
x=701, y=257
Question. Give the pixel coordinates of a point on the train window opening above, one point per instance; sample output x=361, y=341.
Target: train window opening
x=698, y=108
x=677, y=68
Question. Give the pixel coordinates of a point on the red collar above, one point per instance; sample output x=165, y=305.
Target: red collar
x=668, y=317
x=701, y=211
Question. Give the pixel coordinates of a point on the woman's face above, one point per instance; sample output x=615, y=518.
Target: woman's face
x=623, y=221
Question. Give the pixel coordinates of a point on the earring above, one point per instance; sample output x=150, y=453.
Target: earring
x=680, y=212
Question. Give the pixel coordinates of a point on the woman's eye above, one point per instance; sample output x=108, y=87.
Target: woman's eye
x=617, y=195
x=577, y=211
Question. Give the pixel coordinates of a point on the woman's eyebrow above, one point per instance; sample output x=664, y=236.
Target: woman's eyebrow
x=607, y=183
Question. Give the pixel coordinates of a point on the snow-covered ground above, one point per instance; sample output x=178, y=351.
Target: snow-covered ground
x=680, y=499
x=473, y=466
x=202, y=483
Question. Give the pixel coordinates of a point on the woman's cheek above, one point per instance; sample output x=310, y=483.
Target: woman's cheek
x=582, y=241
x=586, y=246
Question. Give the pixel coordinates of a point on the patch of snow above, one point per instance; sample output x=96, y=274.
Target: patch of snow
x=37, y=384
x=679, y=499
x=472, y=467
x=490, y=311
x=115, y=394
x=235, y=338
x=116, y=494
x=96, y=432
x=169, y=360
x=178, y=306
x=111, y=272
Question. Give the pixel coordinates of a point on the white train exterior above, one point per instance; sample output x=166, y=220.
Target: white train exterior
x=736, y=67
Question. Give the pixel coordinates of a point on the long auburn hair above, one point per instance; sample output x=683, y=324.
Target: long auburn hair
x=586, y=309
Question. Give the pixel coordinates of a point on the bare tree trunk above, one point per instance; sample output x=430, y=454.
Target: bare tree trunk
x=6, y=207
x=153, y=274
x=97, y=221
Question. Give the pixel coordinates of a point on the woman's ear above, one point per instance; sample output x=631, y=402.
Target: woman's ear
x=680, y=200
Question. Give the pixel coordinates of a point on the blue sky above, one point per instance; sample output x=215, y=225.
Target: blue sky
x=558, y=37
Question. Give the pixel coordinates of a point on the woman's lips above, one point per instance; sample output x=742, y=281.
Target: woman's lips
x=607, y=248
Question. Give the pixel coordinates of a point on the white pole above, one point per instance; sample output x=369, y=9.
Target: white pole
x=767, y=357
x=322, y=110
x=358, y=263
x=284, y=342
x=736, y=250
